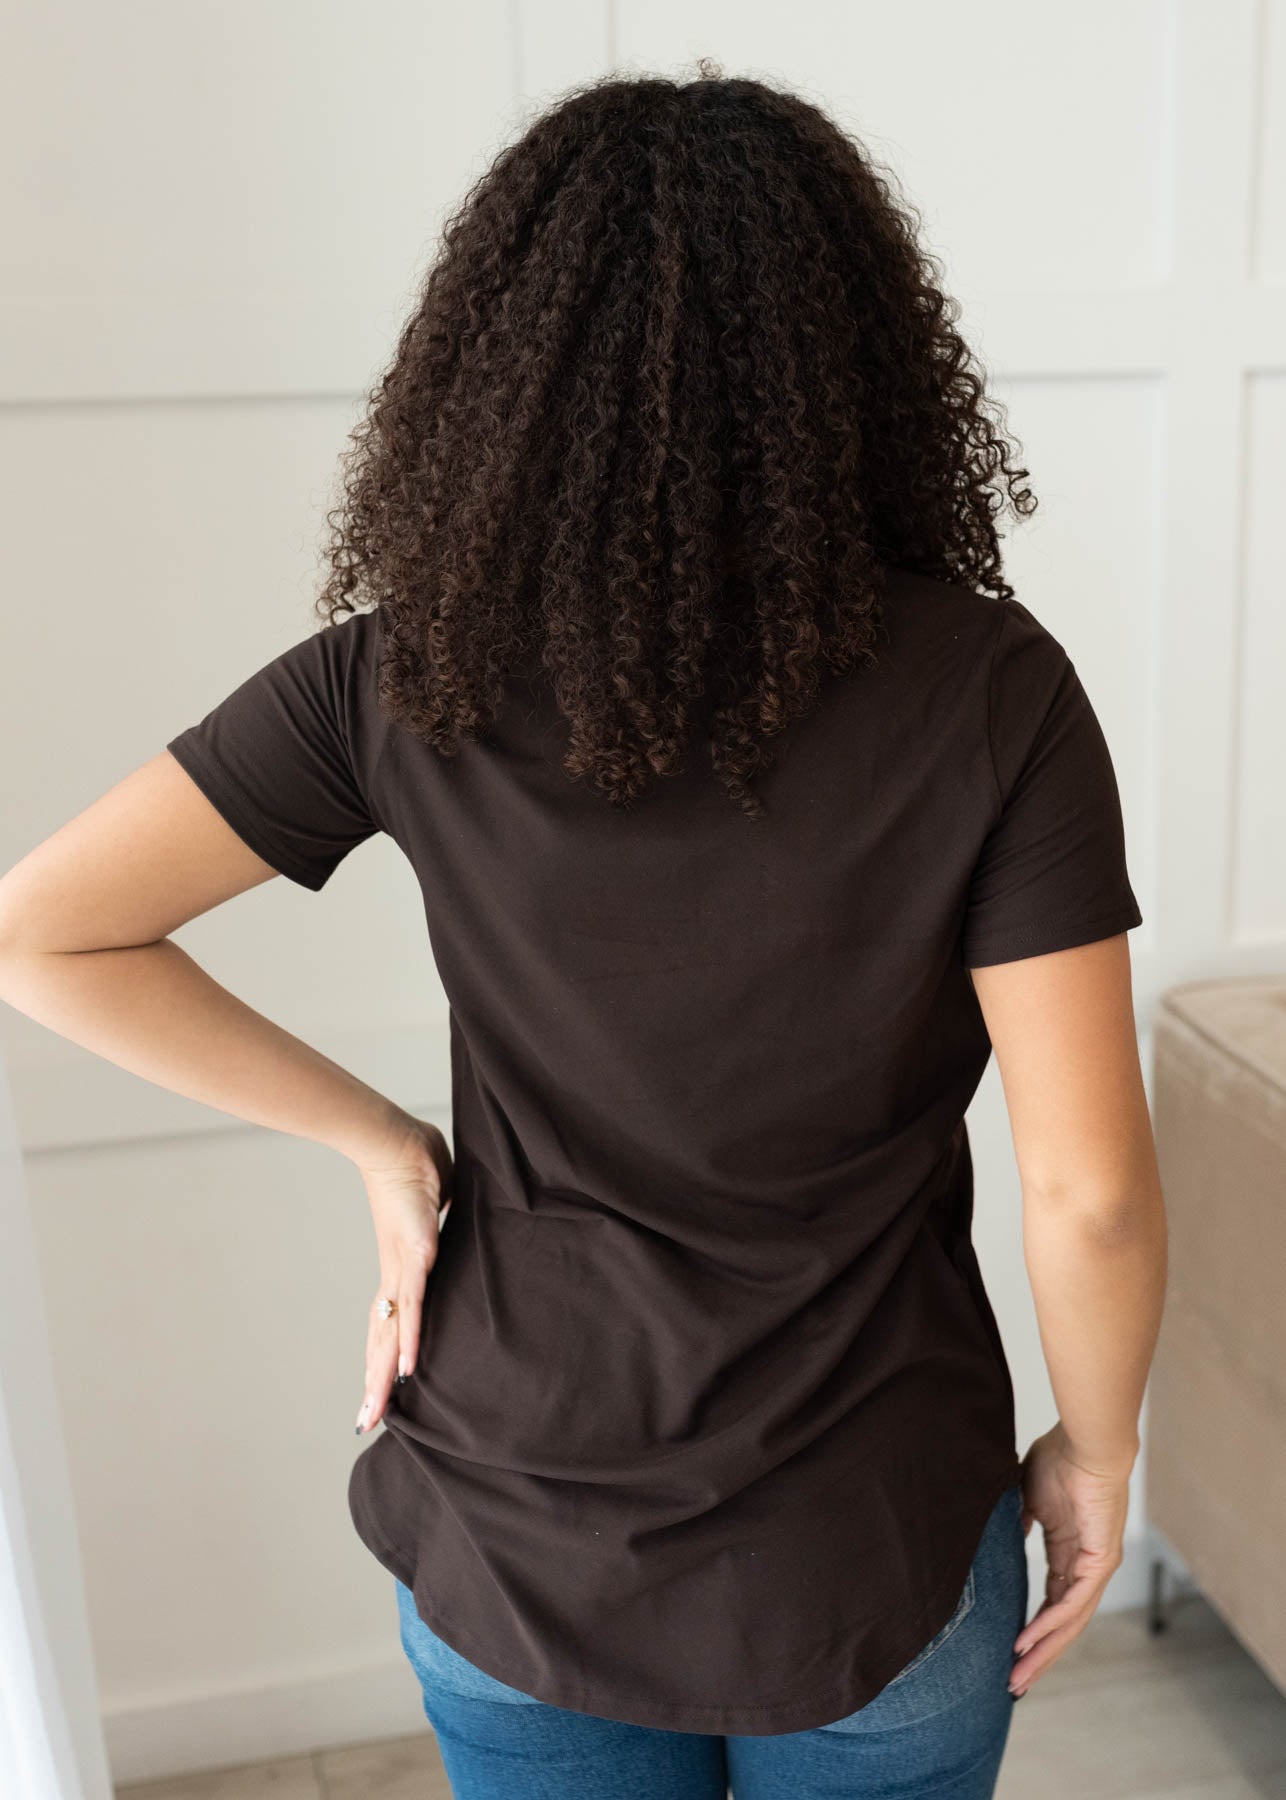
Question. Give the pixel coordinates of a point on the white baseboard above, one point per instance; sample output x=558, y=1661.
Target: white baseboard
x=199, y=1732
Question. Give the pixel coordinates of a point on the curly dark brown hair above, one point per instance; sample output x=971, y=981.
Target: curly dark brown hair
x=678, y=383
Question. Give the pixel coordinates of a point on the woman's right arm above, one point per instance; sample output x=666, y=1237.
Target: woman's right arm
x=1094, y=1238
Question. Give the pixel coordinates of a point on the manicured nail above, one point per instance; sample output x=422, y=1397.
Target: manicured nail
x=361, y=1417
x=402, y=1370
x=1018, y=1692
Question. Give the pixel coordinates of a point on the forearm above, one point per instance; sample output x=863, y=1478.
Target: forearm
x=1098, y=1277
x=154, y=1011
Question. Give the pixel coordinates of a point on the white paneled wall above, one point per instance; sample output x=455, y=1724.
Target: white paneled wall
x=219, y=218
x=1257, y=865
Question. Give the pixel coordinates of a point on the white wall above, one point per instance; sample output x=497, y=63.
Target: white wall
x=221, y=214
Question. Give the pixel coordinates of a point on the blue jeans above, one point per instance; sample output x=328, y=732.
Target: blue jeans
x=938, y=1728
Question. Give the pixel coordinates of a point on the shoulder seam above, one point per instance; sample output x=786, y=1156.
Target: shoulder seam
x=385, y=725
x=354, y=651
x=991, y=666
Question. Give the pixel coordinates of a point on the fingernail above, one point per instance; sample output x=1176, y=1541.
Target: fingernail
x=1018, y=1692
x=401, y=1368
x=361, y=1417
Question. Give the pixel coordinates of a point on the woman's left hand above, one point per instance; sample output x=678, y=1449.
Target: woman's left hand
x=408, y=1183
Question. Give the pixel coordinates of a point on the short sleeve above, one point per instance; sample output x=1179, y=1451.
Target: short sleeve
x=1051, y=872
x=277, y=757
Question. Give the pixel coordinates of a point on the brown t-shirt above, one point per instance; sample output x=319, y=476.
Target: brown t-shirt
x=711, y=1406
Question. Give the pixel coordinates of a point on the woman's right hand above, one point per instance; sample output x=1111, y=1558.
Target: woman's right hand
x=408, y=1175
x=1081, y=1511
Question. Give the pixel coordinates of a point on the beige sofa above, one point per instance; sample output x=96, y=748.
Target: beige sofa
x=1215, y=1444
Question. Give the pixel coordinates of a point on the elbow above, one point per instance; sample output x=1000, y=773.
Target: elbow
x=12, y=929
x=19, y=934
x=1110, y=1220
x=12, y=956
x=23, y=942
x=1122, y=1227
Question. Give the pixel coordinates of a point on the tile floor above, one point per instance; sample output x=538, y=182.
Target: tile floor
x=1186, y=1715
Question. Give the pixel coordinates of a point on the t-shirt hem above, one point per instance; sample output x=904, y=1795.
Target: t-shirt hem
x=773, y=1719
x=237, y=811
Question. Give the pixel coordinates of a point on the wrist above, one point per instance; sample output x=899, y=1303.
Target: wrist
x=1112, y=1462
x=379, y=1135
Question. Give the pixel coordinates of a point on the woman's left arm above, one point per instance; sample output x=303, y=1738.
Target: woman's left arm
x=85, y=919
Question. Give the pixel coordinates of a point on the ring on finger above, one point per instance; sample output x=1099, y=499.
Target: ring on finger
x=385, y=1307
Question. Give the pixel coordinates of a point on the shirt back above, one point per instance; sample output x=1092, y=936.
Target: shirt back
x=711, y=1407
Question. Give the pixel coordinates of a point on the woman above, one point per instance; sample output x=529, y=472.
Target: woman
x=665, y=632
